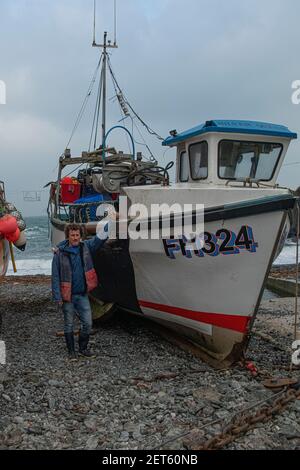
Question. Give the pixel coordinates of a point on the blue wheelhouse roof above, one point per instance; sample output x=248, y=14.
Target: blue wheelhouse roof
x=240, y=127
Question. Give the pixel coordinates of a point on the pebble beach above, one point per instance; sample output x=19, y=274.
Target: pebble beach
x=141, y=392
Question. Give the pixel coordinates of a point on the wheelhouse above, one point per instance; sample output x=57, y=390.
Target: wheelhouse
x=218, y=152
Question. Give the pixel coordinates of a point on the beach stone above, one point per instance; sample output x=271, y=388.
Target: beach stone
x=6, y=397
x=222, y=414
x=124, y=436
x=18, y=420
x=193, y=439
x=56, y=383
x=137, y=434
x=289, y=431
x=35, y=430
x=92, y=443
x=207, y=394
x=296, y=406
x=13, y=439
x=51, y=403
x=91, y=424
x=131, y=427
x=3, y=377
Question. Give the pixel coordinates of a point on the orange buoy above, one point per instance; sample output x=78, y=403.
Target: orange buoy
x=14, y=236
x=8, y=225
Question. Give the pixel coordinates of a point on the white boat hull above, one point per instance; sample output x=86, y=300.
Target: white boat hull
x=210, y=299
x=209, y=296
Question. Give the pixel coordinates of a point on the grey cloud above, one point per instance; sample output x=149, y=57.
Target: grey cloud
x=179, y=63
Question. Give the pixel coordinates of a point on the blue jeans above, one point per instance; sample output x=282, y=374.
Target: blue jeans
x=81, y=305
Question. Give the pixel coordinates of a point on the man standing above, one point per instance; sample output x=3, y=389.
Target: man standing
x=73, y=276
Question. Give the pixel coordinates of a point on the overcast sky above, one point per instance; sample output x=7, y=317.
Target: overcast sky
x=180, y=62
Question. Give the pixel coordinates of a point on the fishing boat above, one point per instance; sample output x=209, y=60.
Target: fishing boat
x=212, y=294
x=12, y=231
x=206, y=288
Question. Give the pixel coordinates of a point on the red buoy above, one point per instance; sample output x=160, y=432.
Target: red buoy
x=8, y=225
x=13, y=237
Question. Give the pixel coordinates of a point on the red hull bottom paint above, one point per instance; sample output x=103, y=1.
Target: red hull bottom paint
x=230, y=322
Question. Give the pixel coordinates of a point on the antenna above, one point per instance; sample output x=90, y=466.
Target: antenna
x=108, y=44
x=115, y=18
x=94, y=38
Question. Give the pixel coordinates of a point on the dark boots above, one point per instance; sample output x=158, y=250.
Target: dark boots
x=83, y=346
x=71, y=346
x=83, y=343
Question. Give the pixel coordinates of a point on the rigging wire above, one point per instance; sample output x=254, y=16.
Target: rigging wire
x=291, y=164
x=75, y=169
x=85, y=102
x=122, y=104
x=122, y=111
x=94, y=120
x=166, y=151
x=133, y=124
x=151, y=131
x=124, y=124
x=119, y=95
x=144, y=143
x=98, y=106
x=97, y=110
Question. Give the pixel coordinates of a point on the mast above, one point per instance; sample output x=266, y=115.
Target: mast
x=104, y=88
x=107, y=44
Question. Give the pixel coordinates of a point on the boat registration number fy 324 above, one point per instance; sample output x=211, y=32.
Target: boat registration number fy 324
x=223, y=242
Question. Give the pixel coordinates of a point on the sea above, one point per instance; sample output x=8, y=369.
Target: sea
x=37, y=257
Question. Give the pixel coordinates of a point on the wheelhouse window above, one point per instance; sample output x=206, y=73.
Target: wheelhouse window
x=184, y=167
x=255, y=160
x=198, y=154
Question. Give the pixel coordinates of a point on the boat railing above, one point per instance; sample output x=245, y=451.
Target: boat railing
x=83, y=212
